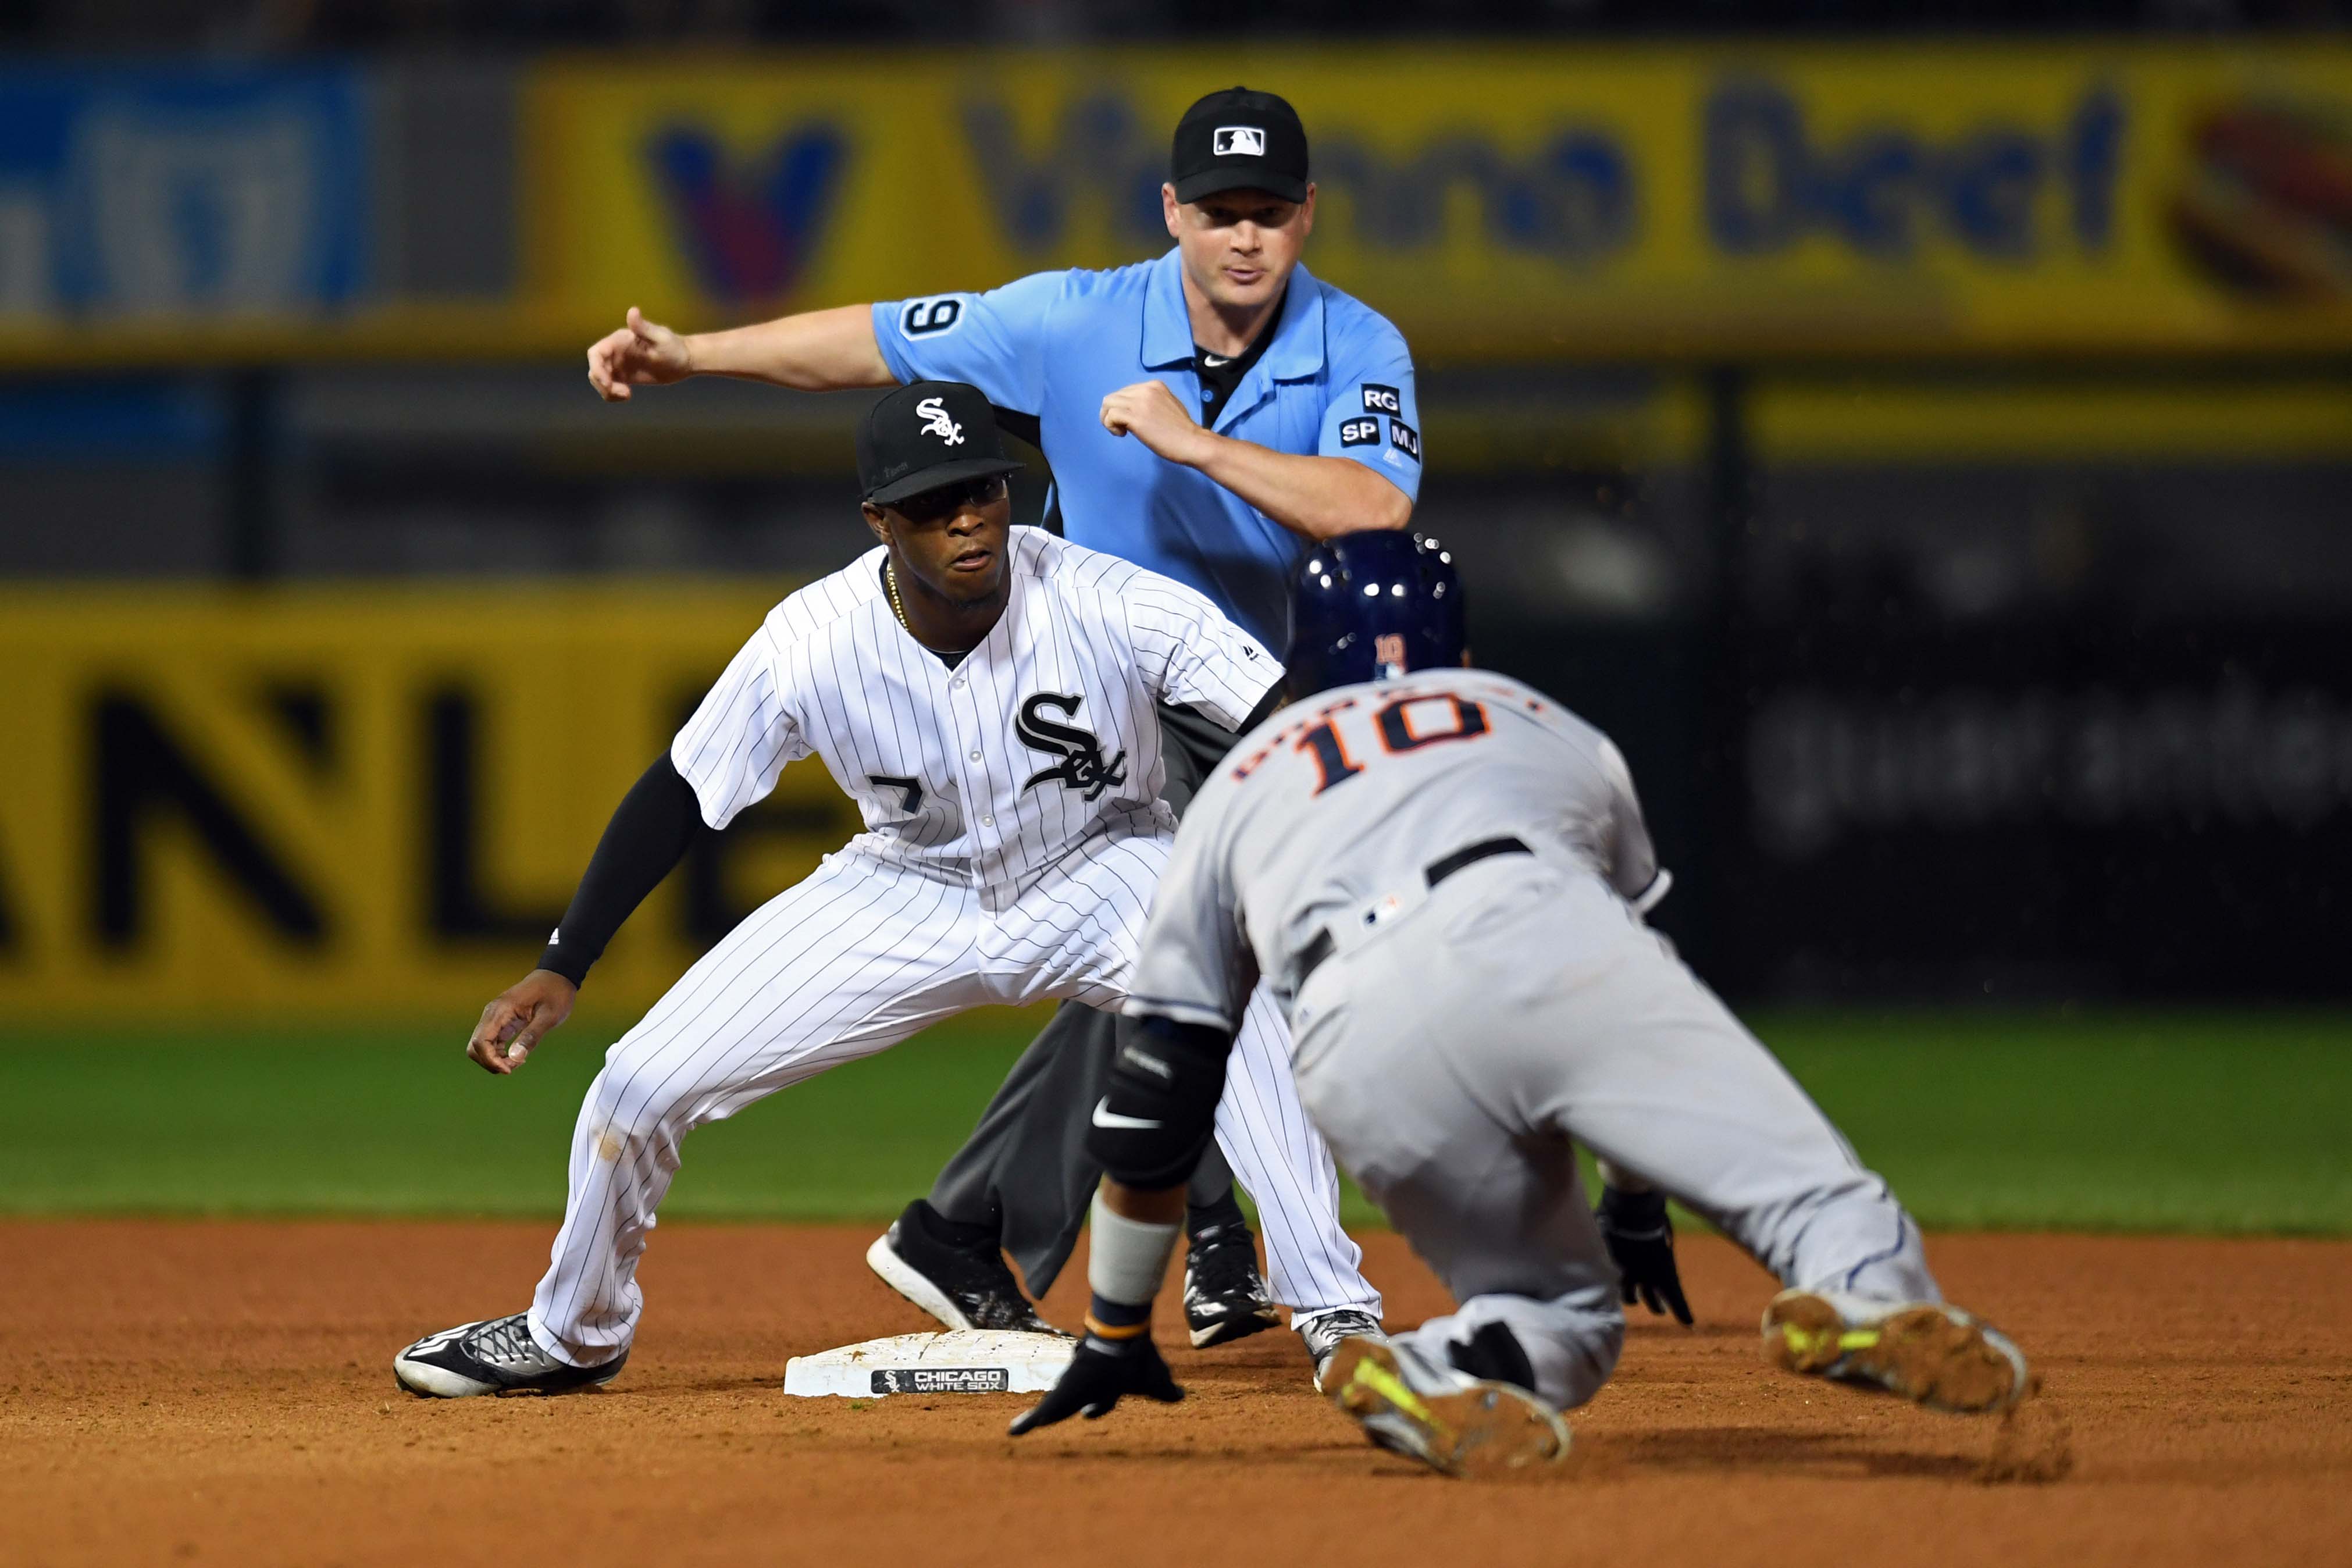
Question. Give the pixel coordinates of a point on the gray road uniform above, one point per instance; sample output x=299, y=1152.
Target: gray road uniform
x=1442, y=878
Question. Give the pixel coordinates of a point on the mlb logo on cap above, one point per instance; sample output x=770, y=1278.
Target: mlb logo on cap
x=1237, y=139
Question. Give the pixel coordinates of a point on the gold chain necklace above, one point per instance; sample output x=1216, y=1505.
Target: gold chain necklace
x=890, y=581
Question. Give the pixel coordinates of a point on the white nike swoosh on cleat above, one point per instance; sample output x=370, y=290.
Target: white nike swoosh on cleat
x=1106, y=1117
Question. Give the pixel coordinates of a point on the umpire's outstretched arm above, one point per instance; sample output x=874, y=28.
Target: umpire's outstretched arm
x=817, y=351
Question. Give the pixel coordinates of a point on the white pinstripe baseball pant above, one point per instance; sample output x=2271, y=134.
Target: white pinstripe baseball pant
x=859, y=956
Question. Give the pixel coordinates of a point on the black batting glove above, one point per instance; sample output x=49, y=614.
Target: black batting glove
x=1098, y=1378
x=1642, y=1244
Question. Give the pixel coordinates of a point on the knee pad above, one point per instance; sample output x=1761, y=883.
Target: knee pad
x=1152, y=1127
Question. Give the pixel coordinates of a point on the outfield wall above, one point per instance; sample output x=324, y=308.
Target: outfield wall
x=375, y=803
x=1501, y=203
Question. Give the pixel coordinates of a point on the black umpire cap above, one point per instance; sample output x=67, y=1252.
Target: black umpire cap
x=1236, y=139
x=925, y=435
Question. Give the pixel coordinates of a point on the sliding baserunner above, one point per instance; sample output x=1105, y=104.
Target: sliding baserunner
x=1442, y=876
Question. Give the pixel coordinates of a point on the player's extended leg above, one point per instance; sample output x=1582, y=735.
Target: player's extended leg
x=855, y=959
x=1661, y=1079
x=1595, y=1030
x=1669, y=1085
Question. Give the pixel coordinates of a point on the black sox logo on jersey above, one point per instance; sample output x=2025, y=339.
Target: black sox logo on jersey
x=1082, y=766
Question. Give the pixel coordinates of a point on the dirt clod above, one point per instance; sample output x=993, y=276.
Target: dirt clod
x=2034, y=1443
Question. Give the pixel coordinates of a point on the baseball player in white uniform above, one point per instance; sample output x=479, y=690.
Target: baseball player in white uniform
x=988, y=695
x=1441, y=874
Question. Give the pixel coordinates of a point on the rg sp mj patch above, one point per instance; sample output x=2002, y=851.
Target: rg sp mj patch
x=942, y=1379
x=1360, y=432
x=1378, y=399
x=1405, y=439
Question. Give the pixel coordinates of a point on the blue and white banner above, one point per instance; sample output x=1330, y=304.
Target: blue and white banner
x=167, y=193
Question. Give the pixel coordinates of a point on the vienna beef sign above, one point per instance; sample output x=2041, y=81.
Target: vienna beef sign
x=1501, y=203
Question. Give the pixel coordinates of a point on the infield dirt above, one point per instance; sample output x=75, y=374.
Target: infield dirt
x=222, y=1392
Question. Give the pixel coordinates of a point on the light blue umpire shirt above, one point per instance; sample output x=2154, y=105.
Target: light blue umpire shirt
x=1336, y=381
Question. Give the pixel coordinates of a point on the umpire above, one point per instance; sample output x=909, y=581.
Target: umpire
x=1205, y=415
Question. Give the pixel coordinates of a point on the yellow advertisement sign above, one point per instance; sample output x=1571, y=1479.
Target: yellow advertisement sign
x=347, y=803
x=1506, y=202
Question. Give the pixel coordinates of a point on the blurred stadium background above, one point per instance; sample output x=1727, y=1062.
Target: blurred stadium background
x=1926, y=448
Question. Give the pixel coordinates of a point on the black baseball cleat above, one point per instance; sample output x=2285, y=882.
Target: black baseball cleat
x=1226, y=1298
x=964, y=1286
x=496, y=1355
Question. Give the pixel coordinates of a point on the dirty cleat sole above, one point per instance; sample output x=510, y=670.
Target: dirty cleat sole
x=1933, y=1355
x=1480, y=1429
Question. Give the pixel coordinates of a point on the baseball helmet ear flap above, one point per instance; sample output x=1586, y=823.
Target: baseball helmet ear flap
x=1371, y=607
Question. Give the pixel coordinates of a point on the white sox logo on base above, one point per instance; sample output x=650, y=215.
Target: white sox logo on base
x=937, y=423
x=1082, y=766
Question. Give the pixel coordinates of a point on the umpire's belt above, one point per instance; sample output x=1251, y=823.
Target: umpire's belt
x=1323, y=945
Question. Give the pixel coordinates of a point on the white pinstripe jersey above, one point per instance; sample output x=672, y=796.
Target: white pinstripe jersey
x=1041, y=738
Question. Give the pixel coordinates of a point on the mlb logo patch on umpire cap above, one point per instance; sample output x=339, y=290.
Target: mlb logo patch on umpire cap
x=1236, y=139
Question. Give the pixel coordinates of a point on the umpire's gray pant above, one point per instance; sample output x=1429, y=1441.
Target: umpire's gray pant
x=1453, y=1059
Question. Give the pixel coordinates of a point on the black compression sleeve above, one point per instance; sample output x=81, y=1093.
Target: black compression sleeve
x=656, y=822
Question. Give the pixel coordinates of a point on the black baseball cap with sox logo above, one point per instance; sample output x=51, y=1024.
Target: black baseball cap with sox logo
x=926, y=434
x=1236, y=139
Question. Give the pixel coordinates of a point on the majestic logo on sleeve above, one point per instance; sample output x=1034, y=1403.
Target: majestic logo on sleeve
x=1082, y=766
x=937, y=423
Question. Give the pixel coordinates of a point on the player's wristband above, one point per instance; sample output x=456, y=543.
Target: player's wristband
x=1640, y=1214
x=1127, y=1258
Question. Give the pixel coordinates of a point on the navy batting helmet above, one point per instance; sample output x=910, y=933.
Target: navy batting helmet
x=1367, y=606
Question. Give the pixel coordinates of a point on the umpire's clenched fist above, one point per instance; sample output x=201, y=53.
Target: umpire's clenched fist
x=643, y=354
x=1152, y=413
x=519, y=1017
